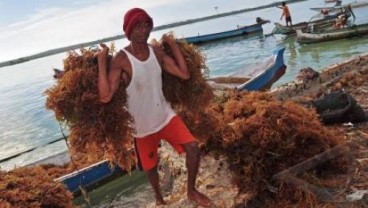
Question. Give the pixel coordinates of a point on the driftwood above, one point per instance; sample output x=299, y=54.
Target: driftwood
x=312, y=162
x=289, y=175
x=321, y=194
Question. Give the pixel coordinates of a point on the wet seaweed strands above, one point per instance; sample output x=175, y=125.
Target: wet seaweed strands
x=262, y=136
x=33, y=188
x=97, y=129
x=192, y=95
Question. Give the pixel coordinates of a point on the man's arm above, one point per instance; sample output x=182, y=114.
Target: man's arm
x=282, y=15
x=107, y=83
x=177, y=67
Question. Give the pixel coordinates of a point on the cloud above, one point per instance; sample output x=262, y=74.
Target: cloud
x=56, y=27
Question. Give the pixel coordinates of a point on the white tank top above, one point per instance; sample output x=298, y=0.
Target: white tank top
x=146, y=101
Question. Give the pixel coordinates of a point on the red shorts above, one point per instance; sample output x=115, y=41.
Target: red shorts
x=175, y=132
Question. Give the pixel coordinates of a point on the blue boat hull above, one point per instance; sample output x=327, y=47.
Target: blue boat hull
x=223, y=35
x=265, y=79
x=90, y=176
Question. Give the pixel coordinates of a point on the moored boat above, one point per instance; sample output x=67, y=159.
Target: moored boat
x=332, y=34
x=254, y=77
x=240, y=31
x=320, y=23
x=267, y=74
x=86, y=178
x=354, y=4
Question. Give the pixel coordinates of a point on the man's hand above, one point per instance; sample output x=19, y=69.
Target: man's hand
x=168, y=40
x=102, y=53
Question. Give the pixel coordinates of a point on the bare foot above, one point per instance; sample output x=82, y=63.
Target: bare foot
x=199, y=198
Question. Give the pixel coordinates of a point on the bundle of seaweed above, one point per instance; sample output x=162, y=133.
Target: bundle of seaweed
x=100, y=130
x=32, y=187
x=265, y=136
x=193, y=94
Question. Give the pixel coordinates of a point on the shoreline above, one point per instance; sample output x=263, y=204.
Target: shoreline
x=117, y=37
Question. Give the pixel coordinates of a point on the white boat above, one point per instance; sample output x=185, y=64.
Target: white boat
x=354, y=4
x=332, y=34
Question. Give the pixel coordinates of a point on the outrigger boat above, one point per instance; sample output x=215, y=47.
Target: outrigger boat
x=327, y=20
x=332, y=34
x=354, y=4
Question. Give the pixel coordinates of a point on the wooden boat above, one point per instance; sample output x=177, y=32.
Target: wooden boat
x=320, y=23
x=267, y=74
x=355, y=4
x=240, y=31
x=330, y=1
x=91, y=176
x=86, y=178
x=259, y=76
x=332, y=34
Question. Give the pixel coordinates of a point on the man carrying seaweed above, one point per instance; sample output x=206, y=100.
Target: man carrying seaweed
x=139, y=66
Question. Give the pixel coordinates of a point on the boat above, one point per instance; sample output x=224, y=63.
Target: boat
x=256, y=77
x=354, y=4
x=86, y=178
x=330, y=1
x=91, y=176
x=332, y=34
x=326, y=20
x=240, y=31
x=267, y=73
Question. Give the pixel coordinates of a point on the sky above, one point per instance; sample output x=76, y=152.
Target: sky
x=32, y=26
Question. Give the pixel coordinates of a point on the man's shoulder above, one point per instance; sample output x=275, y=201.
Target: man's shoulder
x=120, y=59
x=120, y=55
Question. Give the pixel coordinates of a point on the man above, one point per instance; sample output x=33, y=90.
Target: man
x=139, y=66
x=286, y=13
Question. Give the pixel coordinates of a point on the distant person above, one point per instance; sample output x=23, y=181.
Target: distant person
x=286, y=14
x=259, y=20
x=339, y=23
x=324, y=12
x=139, y=66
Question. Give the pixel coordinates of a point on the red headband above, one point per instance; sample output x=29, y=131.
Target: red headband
x=132, y=17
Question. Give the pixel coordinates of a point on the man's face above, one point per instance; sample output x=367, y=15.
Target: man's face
x=141, y=32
